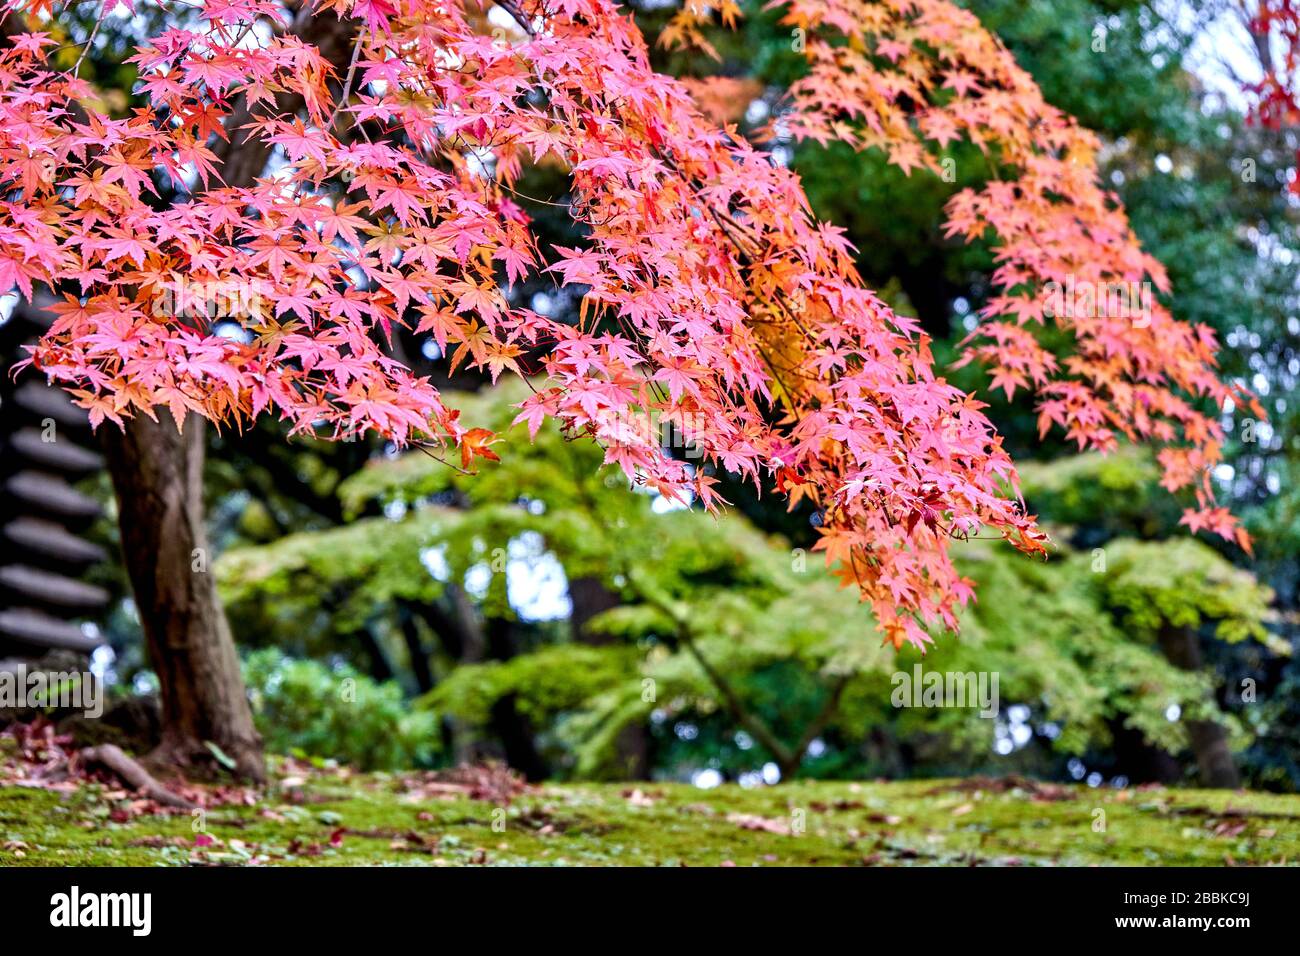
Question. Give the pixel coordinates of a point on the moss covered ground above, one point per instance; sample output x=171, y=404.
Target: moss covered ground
x=336, y=818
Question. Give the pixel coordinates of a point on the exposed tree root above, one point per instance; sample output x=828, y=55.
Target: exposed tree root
x=112, y=757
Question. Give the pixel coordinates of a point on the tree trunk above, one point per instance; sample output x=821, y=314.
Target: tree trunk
x=158, y=478
x=1209, y=740
x=512, y=728
x=415, y=649
x=461, y=635
x=157, y=475
x=1140, y=761
x=381, y=668
x=590, y=597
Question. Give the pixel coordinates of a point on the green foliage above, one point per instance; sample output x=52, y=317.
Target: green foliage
x=305, y=708
x=547, y=683
x=1071, y=643
x=1183, y=583
x=1053, y=638
x=1106, y=495
x=317, y=588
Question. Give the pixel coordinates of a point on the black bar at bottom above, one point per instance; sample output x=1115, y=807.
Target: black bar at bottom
x=297, y=905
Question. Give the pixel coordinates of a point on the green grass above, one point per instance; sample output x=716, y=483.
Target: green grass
x=376, y=819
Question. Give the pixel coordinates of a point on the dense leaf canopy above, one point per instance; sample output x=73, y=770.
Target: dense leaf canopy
x=736, y=315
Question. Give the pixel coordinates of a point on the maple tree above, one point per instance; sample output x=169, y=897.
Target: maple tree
x=1274, y=28
x=910, y=77
x=713, y=298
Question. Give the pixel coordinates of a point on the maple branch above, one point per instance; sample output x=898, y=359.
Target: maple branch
x=522, y=19
x=747, y=719
x=787, y=758
x=824, y=716
x=347, y=83
x=90, y=41
x=424, y=447
x=242, y=160
x=731, y=699
x=525, y=24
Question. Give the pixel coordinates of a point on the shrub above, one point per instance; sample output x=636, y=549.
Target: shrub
x=308, y=708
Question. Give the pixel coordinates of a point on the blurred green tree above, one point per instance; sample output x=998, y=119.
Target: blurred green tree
x=709, y=628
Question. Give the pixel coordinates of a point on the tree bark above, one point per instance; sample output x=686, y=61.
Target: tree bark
x=1140, y=761
x=512, y=728
x=461, y=635
x=1209, y=740
x=157, y=475
x=590, y=597
x=381, y=668
x=415, y=649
